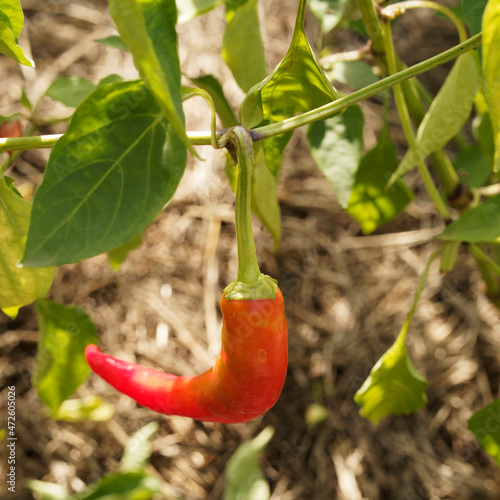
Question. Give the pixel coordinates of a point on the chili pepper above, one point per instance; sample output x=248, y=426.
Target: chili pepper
x=11, y=129
x=248, y=375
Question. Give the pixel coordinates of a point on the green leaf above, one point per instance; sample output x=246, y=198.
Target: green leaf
x=18, y=287
x=472, y=167
x=242, y=47
x=121, y=486
x=265, y=202
x=394, y=387
x=479, y=224
x=118, y=255
x=188, y=9
x=483, y=133
x=491, y=70
x=297, y=84
x=25, y=101
x=356, y=74
x=336, y=145
x=211, y=85
x=113, y=41
x=328, y=12
x=90, y=408
x=371, y=204
x=485, y=426
x=107, y=178
x=474, y=10
x=70, y=90
x=61, y=367
x=11, y=23
x=11, y=312
x=2, y=433
x=148, y=29
x=138, y=450
x=447, y=114
x=244, y=477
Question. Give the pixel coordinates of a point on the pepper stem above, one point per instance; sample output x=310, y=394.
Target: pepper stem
x=250, y=282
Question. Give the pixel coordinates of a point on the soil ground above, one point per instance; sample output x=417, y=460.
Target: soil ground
x=346, y=296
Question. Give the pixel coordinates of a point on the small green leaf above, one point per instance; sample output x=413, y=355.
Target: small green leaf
x=356, y=74
x=265, y=202
x=447, y=114
x=394, y=387
x=480, y=224
x=113, y=41
x=121, y=486
x=138, y=450
x=211, y=85
x=11, y=312
x=328, y=12
x=297, y=84
x=118, y=255
x=61, y=367
x=107, y=178
x=188, y=9
x=244, y=477
x=11, y=23
x=371, y=204
x=474, y=10
x=148, y=29
x=485, y=426
x=491, y=70
x=25, y=101
x=90, y=408
x=70, y=90
x=336, y=145
x=472, y=167
x=242, y=47
x=18, y=286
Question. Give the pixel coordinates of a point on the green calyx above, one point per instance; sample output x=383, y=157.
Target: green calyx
x=264, y=287
x=250, y=283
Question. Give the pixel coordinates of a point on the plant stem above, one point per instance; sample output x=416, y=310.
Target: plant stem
x=372, y=24
x=202, y=138
x=395, y=9
x=404, y=116
x=248, y=269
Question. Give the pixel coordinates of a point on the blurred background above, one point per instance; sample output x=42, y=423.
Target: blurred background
x=346, y=295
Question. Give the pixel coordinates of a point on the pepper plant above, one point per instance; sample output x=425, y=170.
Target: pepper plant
x=126, y=147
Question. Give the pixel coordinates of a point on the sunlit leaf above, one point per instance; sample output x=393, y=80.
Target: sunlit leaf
x=371, y=204
x=447, y=114
x=118, y=255
x=265, y=202
x=138, y=449
x=485, y=426
x=107, y=178
x=491, y=70
x=244, y=478
x=11, y=23
x=11, y=312
x=394, y=387
x=211, y=85
x=148, y=29
x=242, y=47
x=47, y=491
x=18, y=287
x=336, y=145
x=328, y=12
x=187, y=9
x=90, y=408
x=479, y=224
x=61, y=367
x=297, y=84
x=113, y=41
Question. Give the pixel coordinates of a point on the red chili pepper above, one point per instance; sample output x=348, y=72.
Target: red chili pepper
x=11, y=129
x=244, y=383
x=249, y=373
